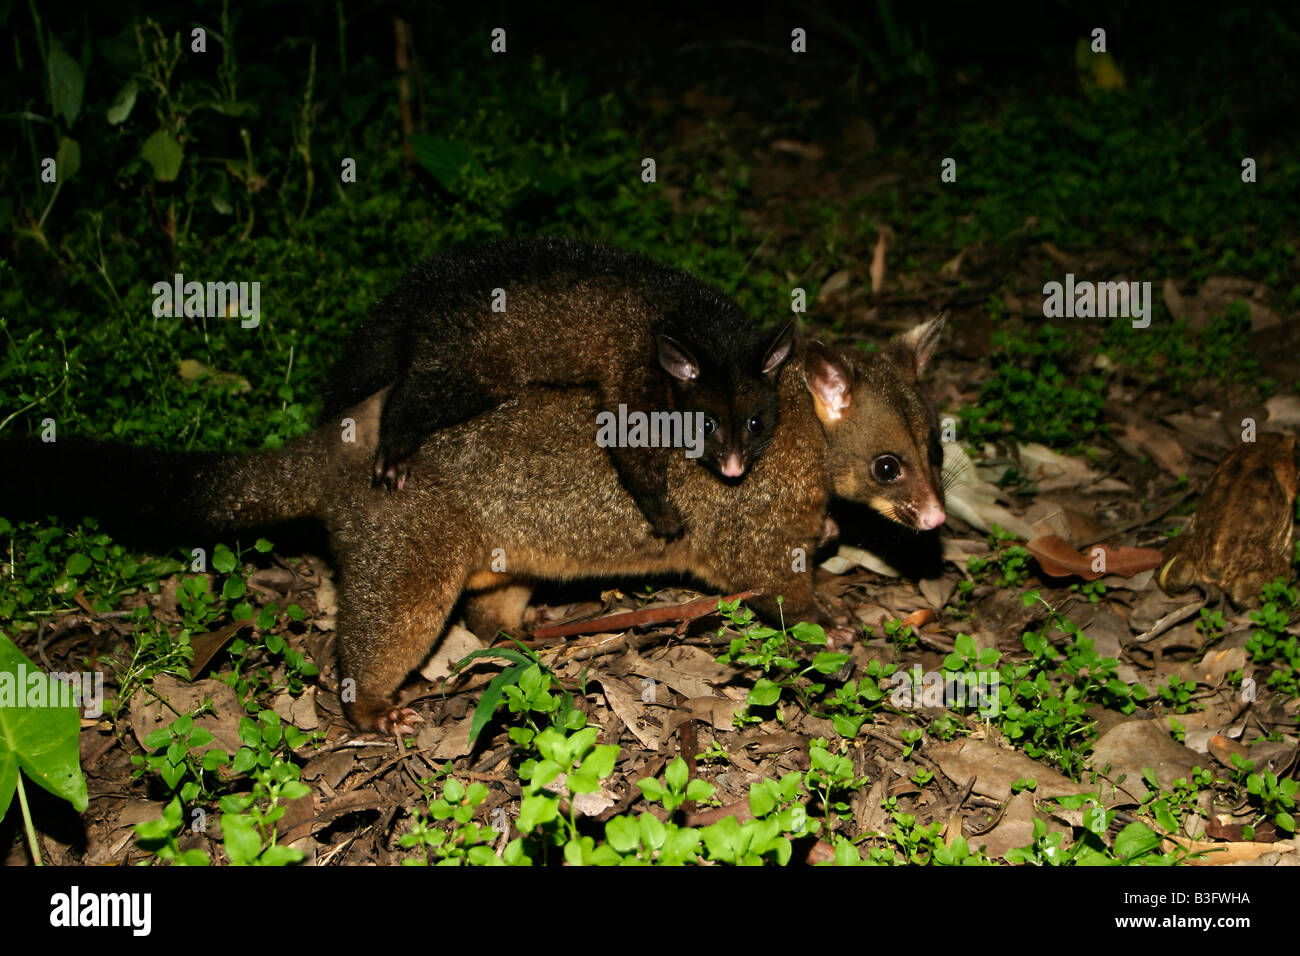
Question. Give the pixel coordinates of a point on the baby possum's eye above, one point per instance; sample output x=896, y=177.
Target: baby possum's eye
x=756, y=423
x=710, y=424
x=886, y=468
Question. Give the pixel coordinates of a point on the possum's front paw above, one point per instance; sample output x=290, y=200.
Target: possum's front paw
x=390, y=471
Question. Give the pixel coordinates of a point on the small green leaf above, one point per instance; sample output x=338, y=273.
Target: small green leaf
x=68, y=160
x=675, y=775
x=223, y=559
x=828, y=662
x=764, y=694
x=809, y=633
x=1135, y=840
x=240, y=839
x=165, y=155
x=123, y=103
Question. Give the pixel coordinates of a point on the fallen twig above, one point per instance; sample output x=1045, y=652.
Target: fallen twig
x=659, y=614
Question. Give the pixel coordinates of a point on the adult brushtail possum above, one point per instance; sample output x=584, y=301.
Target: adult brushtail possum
x=469, y=328
x=525, y=484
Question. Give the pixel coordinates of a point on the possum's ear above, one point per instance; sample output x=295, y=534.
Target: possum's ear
x=829, y=380
x=913, y=350
x=677, y=361
x=779, y=350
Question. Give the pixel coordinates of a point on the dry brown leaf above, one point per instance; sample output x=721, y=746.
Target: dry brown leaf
x=995, y=770
x=456, y=742
x=795, y=148
x=1219, y=854
x=835, y=284
x=1222, y=748
x=1161, y=445
x=919, y=618
x=878, y=264
x=1128, y=749
x=626, y=704
x=458, y=644
x=170, y=697
x=1015, y=829
x=1283, y=410
x=1059, y=560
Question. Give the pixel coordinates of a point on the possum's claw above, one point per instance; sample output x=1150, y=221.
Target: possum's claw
x=391, y=473
x=399, y=720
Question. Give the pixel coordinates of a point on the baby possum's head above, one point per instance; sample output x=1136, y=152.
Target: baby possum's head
x=738, y=404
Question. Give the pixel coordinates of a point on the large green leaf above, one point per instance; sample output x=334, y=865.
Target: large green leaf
x=492, y=694
x=40, y=740
x=445, y=160
x=67, y=82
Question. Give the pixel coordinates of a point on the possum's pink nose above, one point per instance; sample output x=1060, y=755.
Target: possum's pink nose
x=930, y=516
x=732, y=466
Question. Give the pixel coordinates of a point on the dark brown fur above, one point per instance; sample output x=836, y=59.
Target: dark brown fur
x=644, y=335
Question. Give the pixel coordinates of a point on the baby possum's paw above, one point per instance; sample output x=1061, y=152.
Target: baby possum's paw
x=390, y=471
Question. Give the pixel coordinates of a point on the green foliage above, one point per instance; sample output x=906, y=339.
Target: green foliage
x=525, y=686
x=248, y=820
x=899, y=633
x=830, y=773
x=52, y=565
x=851, y=703
x=1010, y=560
x=1182, y=358
x=181, y=761
x=1270, y=641
x=1038, y=392
x=1177, y=694
x=1147, y=167
x=777, y=652
x=674, y=790
x=464, y=842
x=160, y=838
x=1276, y=798
x=1135, y=845
x=1042, y=701
x=266, y=740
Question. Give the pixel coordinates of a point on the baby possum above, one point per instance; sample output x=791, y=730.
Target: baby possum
x=470, y=328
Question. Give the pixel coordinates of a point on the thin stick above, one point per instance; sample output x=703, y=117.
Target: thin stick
x=646, y=615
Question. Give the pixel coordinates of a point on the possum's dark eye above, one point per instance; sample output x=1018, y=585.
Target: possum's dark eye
x=886, y=468
x=710, y=424
x=756, y=424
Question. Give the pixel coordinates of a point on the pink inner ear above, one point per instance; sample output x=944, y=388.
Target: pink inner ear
x=830, y=384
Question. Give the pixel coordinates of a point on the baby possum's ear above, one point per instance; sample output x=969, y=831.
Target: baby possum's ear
x=912, y=350
x=830, y=381
x=677, y=360
x=779, y=350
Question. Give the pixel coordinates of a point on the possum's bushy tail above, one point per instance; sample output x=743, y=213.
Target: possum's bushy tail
x=154, y=495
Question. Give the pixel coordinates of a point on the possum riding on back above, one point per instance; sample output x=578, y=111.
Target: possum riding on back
x=467, y=330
